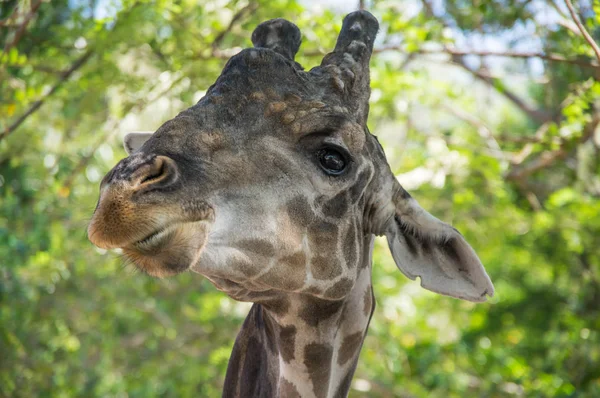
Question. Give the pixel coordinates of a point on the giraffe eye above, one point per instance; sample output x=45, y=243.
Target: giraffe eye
x=332, y=161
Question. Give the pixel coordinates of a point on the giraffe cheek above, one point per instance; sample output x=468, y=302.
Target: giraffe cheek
x=289, y=234
x=288, y=274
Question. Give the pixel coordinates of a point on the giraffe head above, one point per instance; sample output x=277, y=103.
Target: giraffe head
x=270, y=183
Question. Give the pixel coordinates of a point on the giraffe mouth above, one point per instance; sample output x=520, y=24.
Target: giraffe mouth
x=170, y=249
x=157, y=238
x=162, y=237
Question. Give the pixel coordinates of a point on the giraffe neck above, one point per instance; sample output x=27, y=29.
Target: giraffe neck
x=311, y=350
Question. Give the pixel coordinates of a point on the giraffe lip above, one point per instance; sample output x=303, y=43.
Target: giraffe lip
x=161, y=236
x=157, y=235
x=165, y=233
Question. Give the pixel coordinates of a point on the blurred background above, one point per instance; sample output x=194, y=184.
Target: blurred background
x=488, y=112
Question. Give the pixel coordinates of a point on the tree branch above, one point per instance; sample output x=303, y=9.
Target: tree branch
x=483, y=130
x=513, y=54
x=236, y=17
x=4, y=22
x=538, y=115
x=37, y=104
x=21, y=29
x=582, y=29
x=242, y=12
x=457, y=57
x=504, y=54
x=548, y=158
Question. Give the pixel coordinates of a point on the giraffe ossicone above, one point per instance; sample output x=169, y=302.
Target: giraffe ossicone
x=273, y=188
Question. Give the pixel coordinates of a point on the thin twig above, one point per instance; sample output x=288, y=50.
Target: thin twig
x=37, y=104
x=544, y=160
x=584, y=32
x=504, y=54
x=21, y=29
x=513, y=54
x=483, y=130
x=548, y=158
x=242, y=12
x=13, y=14
x=527, y=149
x=64, y=77
x=538, y=115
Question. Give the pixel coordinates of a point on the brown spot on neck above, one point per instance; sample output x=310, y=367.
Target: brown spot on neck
x=258, y=246
x=340, y=289
x=287, y=342
x=277, y=306
x=317, y=359
x=288, y=390
x=316, y=310
x=349, y=348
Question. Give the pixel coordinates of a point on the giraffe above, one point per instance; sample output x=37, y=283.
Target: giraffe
x=273, y=188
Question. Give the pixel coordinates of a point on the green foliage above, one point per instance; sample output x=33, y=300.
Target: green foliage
x=77, y=321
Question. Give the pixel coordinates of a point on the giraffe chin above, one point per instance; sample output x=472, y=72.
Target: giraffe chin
x=170, y=250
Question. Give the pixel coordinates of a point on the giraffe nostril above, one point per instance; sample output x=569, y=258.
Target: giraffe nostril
x=161, y=172
x=155, y=173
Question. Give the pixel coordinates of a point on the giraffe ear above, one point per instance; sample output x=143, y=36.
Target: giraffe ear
x=425, y=247
x=133, y=141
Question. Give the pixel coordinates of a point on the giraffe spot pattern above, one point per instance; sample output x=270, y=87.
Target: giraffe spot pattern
x=317, y=359
x=288, y=118
x=337, y=206
x=292, y=98
x=314, y=310
x=258, y=96
x=212, y=140
x=258, y=246
x=245, y=267
x=350, y=247
x=325, y=268
x=288, y=390
x=300, y=212
x=340, y=289
x=349, y=348
x=322, y=237
x=289, y=274
x=278, y=306
x=358, y=188
x=287, y=336
x=275, y=107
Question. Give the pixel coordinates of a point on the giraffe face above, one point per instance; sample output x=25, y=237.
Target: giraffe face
x=261, y=185
x=260, y=205
x=270, y=182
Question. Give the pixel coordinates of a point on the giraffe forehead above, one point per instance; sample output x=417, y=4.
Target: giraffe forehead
x=302, y=115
